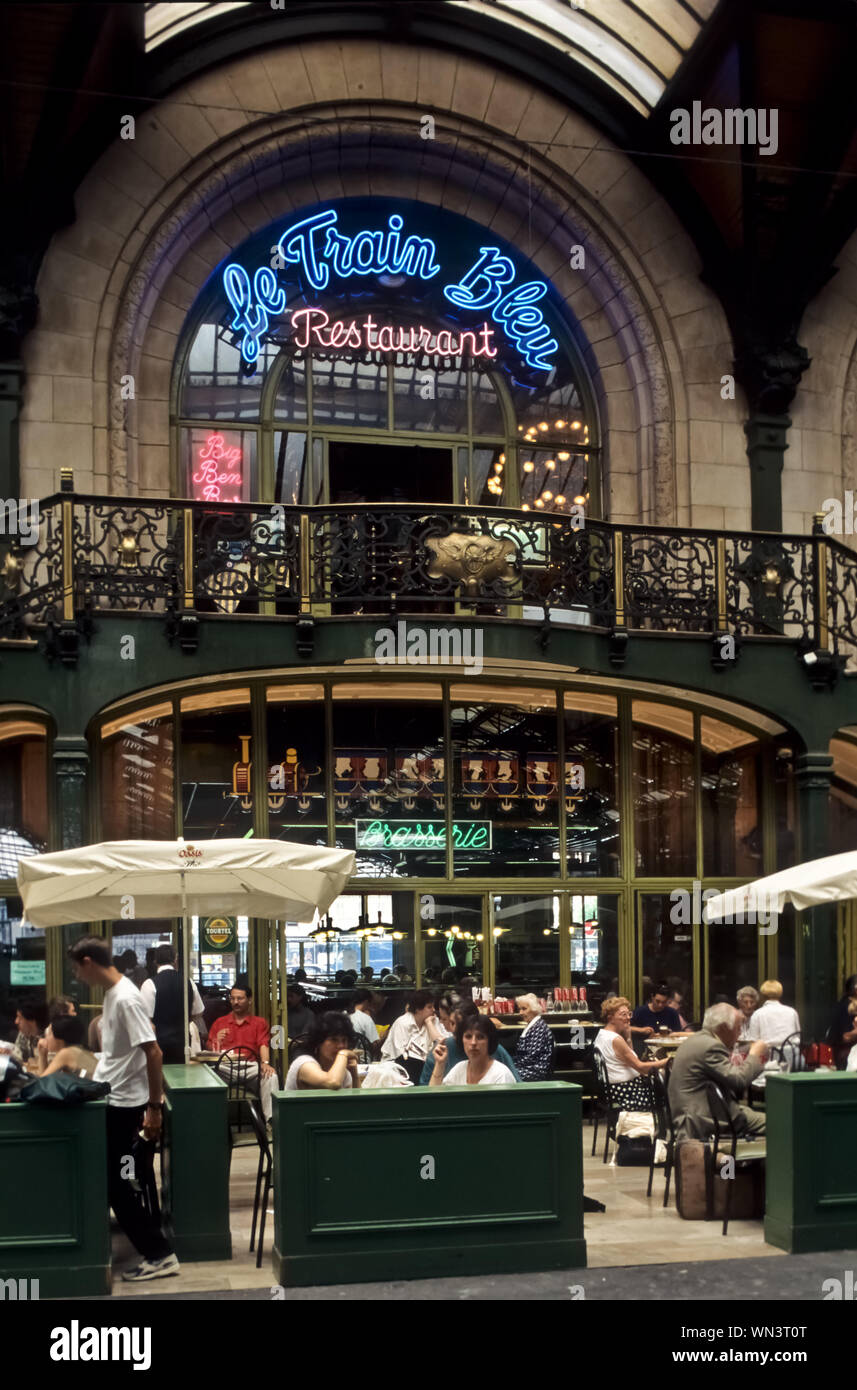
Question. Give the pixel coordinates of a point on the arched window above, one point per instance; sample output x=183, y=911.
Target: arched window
x=377, y=388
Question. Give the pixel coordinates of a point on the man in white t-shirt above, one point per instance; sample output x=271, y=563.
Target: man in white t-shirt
x=362, y=1021
x=774, y=1021
x=131, y=1063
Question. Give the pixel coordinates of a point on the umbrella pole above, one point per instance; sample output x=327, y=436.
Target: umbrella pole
x=185, y=969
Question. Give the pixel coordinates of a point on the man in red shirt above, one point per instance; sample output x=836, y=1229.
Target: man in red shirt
x=242, y=1029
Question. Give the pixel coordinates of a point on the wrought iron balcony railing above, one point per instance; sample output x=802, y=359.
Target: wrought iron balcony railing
x=180, y=560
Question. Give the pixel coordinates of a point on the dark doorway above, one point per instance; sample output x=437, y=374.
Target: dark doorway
x=389, y=473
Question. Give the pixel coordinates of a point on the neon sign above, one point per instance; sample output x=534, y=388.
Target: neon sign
x=312, y=327
x=323, y=253
x=217, y=469
x=406, y=834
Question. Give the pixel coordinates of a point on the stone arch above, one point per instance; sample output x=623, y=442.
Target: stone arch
x=638, y=320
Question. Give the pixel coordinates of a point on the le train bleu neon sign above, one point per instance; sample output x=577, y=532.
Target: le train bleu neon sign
x=320, y=251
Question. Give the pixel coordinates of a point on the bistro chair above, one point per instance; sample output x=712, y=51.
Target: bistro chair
x=604, y=1105
x=664, y=1129
x=264, y=1178
x=234, y=1067
x=789, y=1052
x=747, y=1153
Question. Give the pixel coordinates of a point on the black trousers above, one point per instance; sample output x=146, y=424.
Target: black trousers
x=142, y=1228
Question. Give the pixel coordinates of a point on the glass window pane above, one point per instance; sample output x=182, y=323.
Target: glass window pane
x=390, y=779
x=526, y=943
x=731, y=827
x=214, y=387
x=487, y=411
x=349, y=393
x=592, y=808
x=489, y=477
x=843, y=796
x=663, y=790
x=23, y=793
x=291, y=402
x=666, y=950
x=220, y=465
x=137, y=776
x=733, y=959
x=22, y=950
x=554, y=409
x=427, y=399
x=553, y=480
x=506, y=811
x=216, y=763
x=297, y=805
x=454, y=935
x=291, y=480
x=594, y=933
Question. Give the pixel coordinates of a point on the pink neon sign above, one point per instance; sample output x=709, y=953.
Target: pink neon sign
x=209, y=481
x=312, y=328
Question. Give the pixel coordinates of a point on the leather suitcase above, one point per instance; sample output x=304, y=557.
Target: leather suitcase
x=693, y=1166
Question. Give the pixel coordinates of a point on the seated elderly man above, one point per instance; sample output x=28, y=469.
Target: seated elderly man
x=705, y=1057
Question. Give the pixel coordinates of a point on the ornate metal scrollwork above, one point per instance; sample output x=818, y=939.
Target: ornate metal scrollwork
x=472, y=560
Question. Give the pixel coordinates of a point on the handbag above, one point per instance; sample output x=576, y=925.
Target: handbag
x=382, y=1074
x=61, y=1088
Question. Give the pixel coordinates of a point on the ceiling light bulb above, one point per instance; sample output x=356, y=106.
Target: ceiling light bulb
x=575, y=424
x=526, y=507
x=560, y=424
x=529, y=466
x=579, y=500
x=550, y=463
x=543, y=425
x=432, y=931
x=479, y=936
x=564, y=456
x=539, y=502
x=502, y=458
x=559, y=499
x=547, y=495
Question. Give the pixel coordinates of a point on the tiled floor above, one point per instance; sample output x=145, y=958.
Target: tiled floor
x=634, y=1230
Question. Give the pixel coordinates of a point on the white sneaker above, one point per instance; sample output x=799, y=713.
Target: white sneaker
x=152, y=1269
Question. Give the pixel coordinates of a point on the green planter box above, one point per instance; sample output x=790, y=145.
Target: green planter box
x=54, y=1221
x=195, y=1163
x=811, y=1167
x=415, y=1182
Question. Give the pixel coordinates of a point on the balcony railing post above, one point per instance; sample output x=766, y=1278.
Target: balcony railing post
x=618, y=579
x=820, y=624
x=720, y=582
x=305, y=565
x=187, y=559
x=67, y=485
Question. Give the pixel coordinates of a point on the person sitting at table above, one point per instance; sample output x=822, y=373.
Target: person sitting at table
x=842, y=1033
x=327, y=1060
x=409, y=1039
x=60, y=1005
x=652, y=1017
x=363, y=1023
x=300, y=1018
x=64, y=1050
x=242, y=1029
x=534, y=1052
x=30, y=1021
x=675, y=1002
x=477, y=1037
x=704, y=1057
x=747, y=999
x=626, y=1073
x=851, y=1059
x=451, y=1011
x=774, y=1021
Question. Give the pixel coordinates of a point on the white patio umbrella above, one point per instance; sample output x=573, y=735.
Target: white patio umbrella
x=818, y=881
x=169, y=878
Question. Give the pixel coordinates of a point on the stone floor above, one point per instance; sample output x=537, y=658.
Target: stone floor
x=633, y=1231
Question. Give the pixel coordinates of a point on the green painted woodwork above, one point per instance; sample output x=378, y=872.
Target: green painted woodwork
x=54, y=1223
x=811, y=1177
x=195, y=1163
x=766, y=450
x=351, y=1205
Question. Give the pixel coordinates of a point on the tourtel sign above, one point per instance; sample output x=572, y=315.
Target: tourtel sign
x=316, y=256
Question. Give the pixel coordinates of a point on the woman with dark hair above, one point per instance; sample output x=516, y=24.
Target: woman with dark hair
x=410, y=1037
x=478, y=1039
x=452, y=1010
x=65, y=1050
x=62, y=1004
x=328, y=1061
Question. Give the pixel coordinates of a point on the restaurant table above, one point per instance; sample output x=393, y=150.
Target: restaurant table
x=669, y=1044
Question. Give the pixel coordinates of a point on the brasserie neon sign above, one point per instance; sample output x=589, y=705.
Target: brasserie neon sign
x=322, y=253
x=407, y=834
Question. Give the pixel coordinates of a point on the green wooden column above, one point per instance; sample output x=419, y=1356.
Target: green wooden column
x=71, y=786
x=195, y=1163
x=54, y=1213
x=811, y=1173
x=813, y=771
x=422, y=1181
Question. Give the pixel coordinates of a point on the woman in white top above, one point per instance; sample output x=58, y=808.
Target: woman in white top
x=409, y=1038
x=329, y=1062
x=625, y=1072
x=480, y=1040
